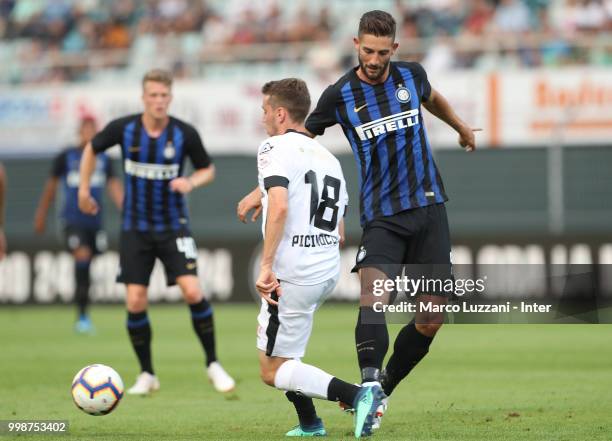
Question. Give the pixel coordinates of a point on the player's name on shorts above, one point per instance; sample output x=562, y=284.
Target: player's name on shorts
x=313, y=240
x=387, y=124
x=151, y=171
x=461, y=307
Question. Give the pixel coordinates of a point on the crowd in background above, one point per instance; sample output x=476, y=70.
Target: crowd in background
x=60, y=40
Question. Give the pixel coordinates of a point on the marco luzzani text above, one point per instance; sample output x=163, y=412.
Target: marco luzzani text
x=458, y=287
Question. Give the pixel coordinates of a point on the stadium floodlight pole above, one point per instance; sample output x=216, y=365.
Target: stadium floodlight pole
x=556, y=188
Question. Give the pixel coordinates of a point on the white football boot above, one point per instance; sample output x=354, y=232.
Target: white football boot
x=145, y=384
x=220, y=379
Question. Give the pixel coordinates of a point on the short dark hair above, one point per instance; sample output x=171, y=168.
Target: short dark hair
x=377, y=23
x=290, y=93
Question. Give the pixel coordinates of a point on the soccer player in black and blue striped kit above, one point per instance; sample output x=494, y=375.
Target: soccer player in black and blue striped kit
x=378, y=105
x=83, y=233
x=155, y=224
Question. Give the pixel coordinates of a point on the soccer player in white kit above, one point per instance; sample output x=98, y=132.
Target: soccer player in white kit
x=304, y=199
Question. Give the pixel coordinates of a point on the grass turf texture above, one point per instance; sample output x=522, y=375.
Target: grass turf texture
x=479, y=382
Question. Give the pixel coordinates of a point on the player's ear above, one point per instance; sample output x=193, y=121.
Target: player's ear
x=394, y=47
x=356, y=42
x=281, y=114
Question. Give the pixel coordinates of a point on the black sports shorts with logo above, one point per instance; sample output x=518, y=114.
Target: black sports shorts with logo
x=416, y=242
x=77, y=237
x=138, y=250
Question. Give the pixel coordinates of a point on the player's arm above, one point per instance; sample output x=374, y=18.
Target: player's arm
x=437, y=105
x=278, y=205
x=251, y=201
x=108, y=137
x=87, y=204
x=115, y=191
x=2, y=198
x=198, y=178
x=341, y=232
x=114, y=188
x=324, y=114
x=48, y=195
x=50, y=190
x=204, y=172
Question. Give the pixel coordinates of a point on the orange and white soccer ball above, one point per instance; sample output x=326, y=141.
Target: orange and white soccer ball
x=97, y=389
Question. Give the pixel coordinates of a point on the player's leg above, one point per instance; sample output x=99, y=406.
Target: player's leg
x=203, y=325
x=378, y=259
x=283, y=335
x=81, y=249
x=139, y=330
x=431, y=251
x=136, y=261
x=293, y=376
x=178, y=253
x=82, y=263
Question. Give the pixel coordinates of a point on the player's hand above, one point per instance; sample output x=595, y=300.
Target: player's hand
x=467, y=140
x=266, y=284
x=251, y=201
x=2, y=244
x=87, y=204
x=181, y=185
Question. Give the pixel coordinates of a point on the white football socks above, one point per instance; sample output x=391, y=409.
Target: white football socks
x=295, y=376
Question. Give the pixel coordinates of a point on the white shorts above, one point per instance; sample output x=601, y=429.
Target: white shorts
x=284, y=330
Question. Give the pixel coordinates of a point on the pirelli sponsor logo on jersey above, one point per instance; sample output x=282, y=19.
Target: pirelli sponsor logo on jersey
x=388, y=124
x=151, y=171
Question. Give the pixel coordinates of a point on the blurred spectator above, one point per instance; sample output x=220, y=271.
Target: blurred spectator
x=50, y=39
x=511, y=16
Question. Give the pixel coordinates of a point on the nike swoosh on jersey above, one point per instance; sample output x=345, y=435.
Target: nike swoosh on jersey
x=357, y=109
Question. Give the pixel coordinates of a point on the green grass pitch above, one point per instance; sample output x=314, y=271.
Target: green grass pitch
x=479, y=382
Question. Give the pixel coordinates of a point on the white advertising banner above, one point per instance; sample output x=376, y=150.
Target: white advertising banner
x=515, y=108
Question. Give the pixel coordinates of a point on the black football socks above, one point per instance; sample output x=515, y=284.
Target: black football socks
x=139, y=330
x=409, y=348
x=83, y=281
x=305, y=409
x=339, y=390
x=202, y=320
x=371, y=342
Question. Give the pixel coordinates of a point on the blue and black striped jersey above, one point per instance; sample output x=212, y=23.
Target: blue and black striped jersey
x=384, y=126
x=149, y=165
x=66, y=168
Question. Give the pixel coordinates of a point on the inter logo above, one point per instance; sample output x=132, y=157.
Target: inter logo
x=169, y=151
x=361, y=254
x=402, y=94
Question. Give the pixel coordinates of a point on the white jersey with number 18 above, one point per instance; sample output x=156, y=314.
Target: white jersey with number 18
x=308, y=253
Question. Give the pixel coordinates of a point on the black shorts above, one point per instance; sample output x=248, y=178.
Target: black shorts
x=76, y=237
x=416, y=242
x=138, y=250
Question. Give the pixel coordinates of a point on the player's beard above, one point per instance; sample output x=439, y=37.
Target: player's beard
x=379, y=73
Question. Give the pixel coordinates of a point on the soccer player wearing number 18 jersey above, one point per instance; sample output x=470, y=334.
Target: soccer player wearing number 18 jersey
x=154, y=147
x=304, y=200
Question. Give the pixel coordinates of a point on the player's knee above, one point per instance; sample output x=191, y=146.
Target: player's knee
x=267, y=375
x=136, y=300
x=82, y=254
x=192, y=294
x=428, y=329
